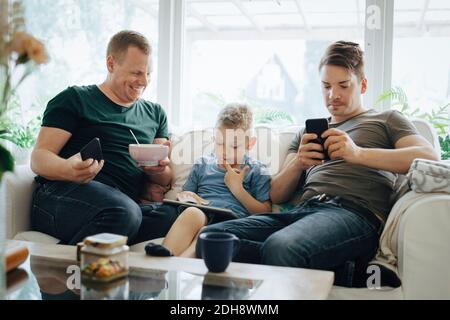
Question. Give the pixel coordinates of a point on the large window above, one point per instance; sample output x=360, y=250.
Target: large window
x=264, y=52
x=421, y=52
x=76, y=33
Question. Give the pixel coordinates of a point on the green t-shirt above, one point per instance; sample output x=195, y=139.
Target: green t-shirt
x=86, y=113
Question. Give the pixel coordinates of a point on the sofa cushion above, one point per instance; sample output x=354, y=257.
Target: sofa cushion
x=429, y=176
x=271, y=149
x=384, y=293
x=16, y=191
x=185, y=150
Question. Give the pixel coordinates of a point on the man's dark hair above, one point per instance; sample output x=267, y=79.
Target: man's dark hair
x=345, y=54
x=120, y=42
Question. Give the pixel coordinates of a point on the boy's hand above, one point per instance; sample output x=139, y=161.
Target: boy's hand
x=234, y=178
x=189, y=196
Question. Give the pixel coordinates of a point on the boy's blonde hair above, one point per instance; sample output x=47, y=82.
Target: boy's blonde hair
x=345, y=54
x=235, y=116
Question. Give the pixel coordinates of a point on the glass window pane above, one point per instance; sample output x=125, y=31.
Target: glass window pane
x=409, y=5
x=192, y=22
x=270, y=61
x=280, y=20
x=330, y=19
x=421, y=53
x=215, y=8
x=328, y=6
x=270, y=7
x=229, y=21
x=76, y=33
x=439, y=4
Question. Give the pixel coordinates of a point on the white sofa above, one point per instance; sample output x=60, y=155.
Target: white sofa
x=423, y=237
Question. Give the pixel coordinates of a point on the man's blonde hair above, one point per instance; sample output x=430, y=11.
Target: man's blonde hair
x=121, y=41
x=235, y=116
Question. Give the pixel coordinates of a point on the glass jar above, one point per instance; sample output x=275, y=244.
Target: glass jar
x=113, y=290
x=104, y=257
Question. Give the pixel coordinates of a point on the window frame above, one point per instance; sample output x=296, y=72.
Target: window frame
x=378, y=52
x=170, y=57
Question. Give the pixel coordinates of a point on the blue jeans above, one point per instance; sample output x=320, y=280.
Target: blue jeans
x=71, y=211
x=313, y=235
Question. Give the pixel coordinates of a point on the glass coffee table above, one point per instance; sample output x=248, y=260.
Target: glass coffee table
x=41, y=279
x=52, y=273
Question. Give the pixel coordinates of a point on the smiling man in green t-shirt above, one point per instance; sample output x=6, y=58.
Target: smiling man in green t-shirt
x=76, y=198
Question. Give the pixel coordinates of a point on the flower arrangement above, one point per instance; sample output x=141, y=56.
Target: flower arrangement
x=24, y=52
x=20, y=55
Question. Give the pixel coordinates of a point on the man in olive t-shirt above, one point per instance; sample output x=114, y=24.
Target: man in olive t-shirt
x=77, y=198
x=344, y=200
x=368, y=187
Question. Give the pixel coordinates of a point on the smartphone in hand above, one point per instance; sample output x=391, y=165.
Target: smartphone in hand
x=318, y=126
x=92, y=150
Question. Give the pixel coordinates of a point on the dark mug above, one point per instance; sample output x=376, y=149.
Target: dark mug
x=217, y=249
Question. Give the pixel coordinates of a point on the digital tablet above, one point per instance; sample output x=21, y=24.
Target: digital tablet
x=214, y=213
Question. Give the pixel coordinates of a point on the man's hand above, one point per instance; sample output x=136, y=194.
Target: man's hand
x=157, y=169
x=82, y=171
x=162, y=164
x=234, y=178
x=341, y=146
x=309, y=154
x=154, y=192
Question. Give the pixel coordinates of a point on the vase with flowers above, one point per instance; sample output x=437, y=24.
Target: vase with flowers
x=20, y=55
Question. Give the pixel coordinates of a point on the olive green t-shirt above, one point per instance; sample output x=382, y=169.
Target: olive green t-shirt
x=86, y=113
x=368, y=187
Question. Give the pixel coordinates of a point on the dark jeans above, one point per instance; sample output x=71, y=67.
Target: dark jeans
x=314, y=235
x=71, y=211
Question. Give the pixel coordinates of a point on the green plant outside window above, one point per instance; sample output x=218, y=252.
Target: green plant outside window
x=438, y=117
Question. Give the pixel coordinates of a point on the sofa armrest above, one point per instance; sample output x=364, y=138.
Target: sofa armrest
x=15, y=199
x=423, y=248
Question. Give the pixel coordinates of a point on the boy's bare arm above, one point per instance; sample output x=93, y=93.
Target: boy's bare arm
x=251, y=204
x=234, y=181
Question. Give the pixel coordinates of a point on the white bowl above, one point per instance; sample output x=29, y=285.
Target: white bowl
x=148, y=155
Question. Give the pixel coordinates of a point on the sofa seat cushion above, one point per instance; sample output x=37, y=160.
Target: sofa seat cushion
x=384, y=293
x=35, y=236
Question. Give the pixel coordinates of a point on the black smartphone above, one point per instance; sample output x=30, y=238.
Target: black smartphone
x=92, y=150
x=318, y=126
